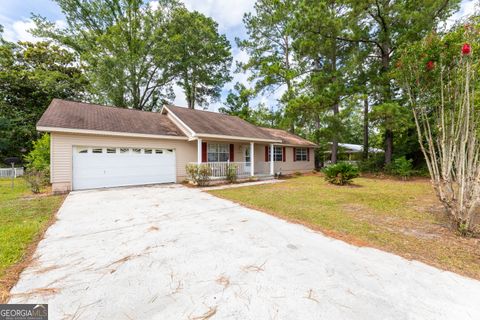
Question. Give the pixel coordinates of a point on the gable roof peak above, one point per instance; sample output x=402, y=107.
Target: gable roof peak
x=208, y=123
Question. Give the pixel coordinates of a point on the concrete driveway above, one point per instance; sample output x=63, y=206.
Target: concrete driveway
x=170, y=252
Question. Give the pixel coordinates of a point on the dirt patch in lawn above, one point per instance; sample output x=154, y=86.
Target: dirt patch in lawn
x=403, y=217
x=430, y=234
x=331, y=233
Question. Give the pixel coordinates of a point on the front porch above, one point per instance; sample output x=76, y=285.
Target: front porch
x=243, y=170
x=243, y=156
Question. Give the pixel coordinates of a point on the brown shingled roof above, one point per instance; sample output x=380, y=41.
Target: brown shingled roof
x=289, y=138
x=207, y=122
x=79, y=115
x=86, y=116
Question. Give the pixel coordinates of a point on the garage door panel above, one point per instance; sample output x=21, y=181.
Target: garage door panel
x=96, y=170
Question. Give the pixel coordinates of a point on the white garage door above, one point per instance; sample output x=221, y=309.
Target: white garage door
x=96, y=167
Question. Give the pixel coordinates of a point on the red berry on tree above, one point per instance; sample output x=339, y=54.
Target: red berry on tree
x=430, y=65
x=466, y=49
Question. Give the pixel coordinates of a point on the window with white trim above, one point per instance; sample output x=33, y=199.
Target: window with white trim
x=277, y=153
x=218, y=152
x=301, y=154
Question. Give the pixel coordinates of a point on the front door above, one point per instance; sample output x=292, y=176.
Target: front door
x=246, y=157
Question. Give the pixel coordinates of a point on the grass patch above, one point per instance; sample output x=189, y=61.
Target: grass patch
x=23, y=219
x=402, y=217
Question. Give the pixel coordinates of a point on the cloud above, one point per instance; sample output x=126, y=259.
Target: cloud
x=180, y=99
x=467, y=8
x=19, y=30
x=242, y=77
x=228, y=13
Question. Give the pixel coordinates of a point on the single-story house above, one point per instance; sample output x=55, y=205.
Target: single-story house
x=348, y=152
x=95, y=146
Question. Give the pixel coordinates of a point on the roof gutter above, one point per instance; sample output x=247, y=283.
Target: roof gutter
x=300, y=145
x=109, y=133
x=224, y=137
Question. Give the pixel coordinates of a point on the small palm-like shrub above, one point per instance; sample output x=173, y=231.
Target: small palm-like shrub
x=341, y=173
x=199, y=173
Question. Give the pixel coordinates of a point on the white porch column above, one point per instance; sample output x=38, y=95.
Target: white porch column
x=271, y=160
x=252, y=159
x=199, y=151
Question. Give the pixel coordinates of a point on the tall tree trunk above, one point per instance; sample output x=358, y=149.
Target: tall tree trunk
x=387, y=97
x=388, y=146
x=292, y=127
x=335, y=107
x=288, y=81
x=289, y=97
x=191, y=98
x=365, y=128
x=188, y=88
x=334, y=158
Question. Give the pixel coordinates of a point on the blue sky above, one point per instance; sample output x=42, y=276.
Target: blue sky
x=15, y=18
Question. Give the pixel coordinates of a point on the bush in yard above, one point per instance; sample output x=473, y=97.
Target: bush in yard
x=231, y=173
x=341, y=173
x=39, y=158
x=36, y=179
x=402, y=167
x=199, y=173
x=374, y=164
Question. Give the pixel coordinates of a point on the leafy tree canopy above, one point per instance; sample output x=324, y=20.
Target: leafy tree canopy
x=201, y=56
x=122, y=46
x=238, y=103
x=31, y=75
x=272, y=63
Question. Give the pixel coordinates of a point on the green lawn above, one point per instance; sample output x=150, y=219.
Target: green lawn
x=23, y=218
x=392, y=215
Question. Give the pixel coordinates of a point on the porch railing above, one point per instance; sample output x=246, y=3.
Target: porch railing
x=219, y=169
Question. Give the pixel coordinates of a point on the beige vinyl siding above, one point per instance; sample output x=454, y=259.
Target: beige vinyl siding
x=62, y=145
x=290, y=166
x=286, y=167
x=186, y=151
